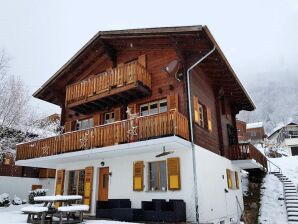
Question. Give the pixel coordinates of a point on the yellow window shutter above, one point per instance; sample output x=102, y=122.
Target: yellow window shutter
x=88, y=185
x=67, y=126
x=174, y=182
x=59, y=184
x=237, y=180
x=196, y=109
x=209, y=119
x=229, y=179
x=172, y=101
x=117, y=114
x=142, y=60
x=96, y=119
x=138, y=176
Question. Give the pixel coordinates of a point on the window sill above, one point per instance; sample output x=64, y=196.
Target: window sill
x=157, y=191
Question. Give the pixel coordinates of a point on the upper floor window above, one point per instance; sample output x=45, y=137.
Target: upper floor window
x=84, y=124
x=109, y=117
x=154, y=107
x=202, y=115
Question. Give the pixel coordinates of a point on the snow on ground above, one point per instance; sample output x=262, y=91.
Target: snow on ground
x=289, y=167
x=13, y=215
x=273, y=210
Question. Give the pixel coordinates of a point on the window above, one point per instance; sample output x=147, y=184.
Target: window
x=157, y=176
x=155, y=107
x=76, y=182
x=201, y=115
x=109, y=117
x=84, y=124
x=233, y=181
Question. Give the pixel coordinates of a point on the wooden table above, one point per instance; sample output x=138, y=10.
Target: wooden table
x=48, y=201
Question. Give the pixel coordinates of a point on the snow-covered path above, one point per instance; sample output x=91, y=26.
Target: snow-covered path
x=13, y=215
x=272, y=210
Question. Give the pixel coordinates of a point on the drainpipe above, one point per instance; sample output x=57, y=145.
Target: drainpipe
x=194, y=166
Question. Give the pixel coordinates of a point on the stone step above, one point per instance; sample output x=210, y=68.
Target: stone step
x=292, y=198
x=292, y=210
x=292, y=213
x=291, y=195
x=292, y=219
x=292, y=202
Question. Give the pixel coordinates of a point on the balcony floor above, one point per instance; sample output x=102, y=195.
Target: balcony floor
x=247, y=164
x=154, y=145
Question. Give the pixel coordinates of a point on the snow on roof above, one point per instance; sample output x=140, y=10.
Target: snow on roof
x=254, y=125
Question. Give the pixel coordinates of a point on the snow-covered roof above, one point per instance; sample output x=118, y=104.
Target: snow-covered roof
x=254, y=125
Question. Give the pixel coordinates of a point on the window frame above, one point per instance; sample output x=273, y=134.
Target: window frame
x=158, y=102
x=78, y=125
x=159, y=187
x=110, y=120
x=77, y=182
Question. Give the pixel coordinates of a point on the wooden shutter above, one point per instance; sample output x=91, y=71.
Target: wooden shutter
x=67, y=126
x=142, y=60
x=133, y=108
x=59, y=185
x=59, y=182
x=209, y=119
x=172, y=101
x=174, y=182
x=138, y=176
x=96, y=119
x=237, y=180
x=88, y=185
x=117, y=114
x=196, y=109
x=229, y=179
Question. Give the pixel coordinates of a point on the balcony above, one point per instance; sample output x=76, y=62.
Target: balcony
x=247, y=156
x=126, y=83
x=160, y=125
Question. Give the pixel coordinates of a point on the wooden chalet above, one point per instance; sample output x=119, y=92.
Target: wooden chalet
x=126, y=89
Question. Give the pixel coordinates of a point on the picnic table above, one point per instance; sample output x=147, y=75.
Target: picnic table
x=45, y=213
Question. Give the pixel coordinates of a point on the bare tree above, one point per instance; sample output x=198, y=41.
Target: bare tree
x=14, y=97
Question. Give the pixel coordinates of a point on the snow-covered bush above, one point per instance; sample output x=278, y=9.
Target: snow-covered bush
x=36, y=193
x=16, y=201
x=4, y=200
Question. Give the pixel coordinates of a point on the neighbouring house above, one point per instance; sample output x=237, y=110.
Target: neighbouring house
x=286, y=138
x=241, y=131
x=251, y=132
x=256, y=132
x=137, y=128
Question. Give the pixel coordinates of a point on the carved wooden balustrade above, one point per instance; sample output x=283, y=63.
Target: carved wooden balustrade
x=152, y=126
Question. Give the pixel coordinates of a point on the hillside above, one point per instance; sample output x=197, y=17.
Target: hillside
x=276, y=101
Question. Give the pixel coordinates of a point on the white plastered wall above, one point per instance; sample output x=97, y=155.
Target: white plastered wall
x=214, y=203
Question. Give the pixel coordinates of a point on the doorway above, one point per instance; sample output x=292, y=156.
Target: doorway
x=103, y=190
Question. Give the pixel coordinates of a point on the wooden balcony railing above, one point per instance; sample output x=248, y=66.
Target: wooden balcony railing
x=129, y=74
x=245, y=151
x=152, y=126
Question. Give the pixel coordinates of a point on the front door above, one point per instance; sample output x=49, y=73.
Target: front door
x=103, y=191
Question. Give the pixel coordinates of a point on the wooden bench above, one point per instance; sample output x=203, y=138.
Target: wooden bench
x=37, y=214
x=72, y=210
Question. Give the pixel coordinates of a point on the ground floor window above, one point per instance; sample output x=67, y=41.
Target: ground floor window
x=76, y=182
x=294, y=151
x=157, y=176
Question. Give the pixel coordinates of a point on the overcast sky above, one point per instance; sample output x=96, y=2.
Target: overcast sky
x=257, y=37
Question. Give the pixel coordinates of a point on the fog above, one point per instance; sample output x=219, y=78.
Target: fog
x=259, y=38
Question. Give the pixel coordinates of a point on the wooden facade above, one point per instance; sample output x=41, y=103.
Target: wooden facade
x=117, y=70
